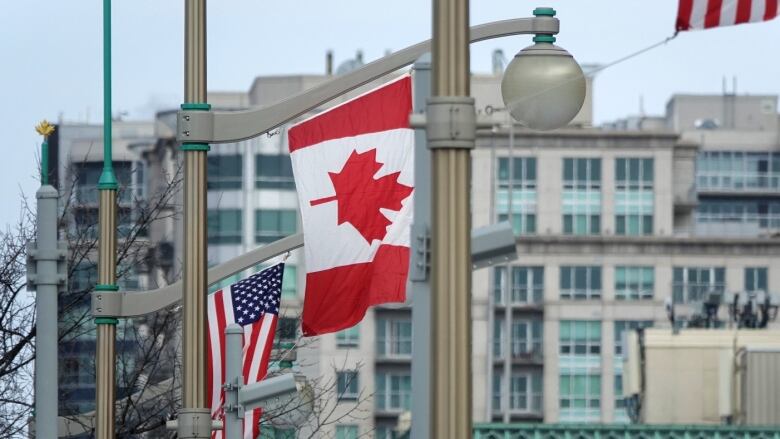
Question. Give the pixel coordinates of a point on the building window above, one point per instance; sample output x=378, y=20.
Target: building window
x=224, y=226
x=735, y=217
x=633, y=196
x=348, y=338
x=347, y=385
x=581, y=196
x=273, y=171
x=580, y=282
x=756, y=279
x=580, y=397
x=525, y=393
x=526, y=338
x=394, y=337
x=516, y=193
x=498, y=337
x=690, y=284
x=527, y=285
x=738, y=170
x=385, y=432
x=393, y=392
x=224, y=171
x=497, y=386
x=287, y=330
x=623, y=326
x=634, y=283
x=271, y=225
x=346, y=432
x=290, y=281
x=88, y=174
x=621, y=415
x=268, y=432
x=580, y=337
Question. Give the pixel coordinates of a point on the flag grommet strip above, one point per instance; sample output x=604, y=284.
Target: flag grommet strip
x=451, y=122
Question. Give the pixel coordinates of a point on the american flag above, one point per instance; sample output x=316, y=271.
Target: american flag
x=705, y=14
x=252, y=303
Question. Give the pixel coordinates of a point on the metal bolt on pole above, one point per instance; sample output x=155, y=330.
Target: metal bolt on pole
x=451, y=135
x=105, y=383
x=194, y=419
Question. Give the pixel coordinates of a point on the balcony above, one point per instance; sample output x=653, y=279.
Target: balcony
x=612, y=431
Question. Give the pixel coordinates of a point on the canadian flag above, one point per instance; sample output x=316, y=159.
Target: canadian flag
x=704, y=14
x=353, y=168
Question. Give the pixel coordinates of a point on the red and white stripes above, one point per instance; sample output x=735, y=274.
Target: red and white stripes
x=705, y=14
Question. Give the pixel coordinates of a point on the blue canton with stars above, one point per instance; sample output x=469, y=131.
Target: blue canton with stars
x=257, y=295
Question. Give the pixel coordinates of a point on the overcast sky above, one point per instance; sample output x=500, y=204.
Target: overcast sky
x=50, y=55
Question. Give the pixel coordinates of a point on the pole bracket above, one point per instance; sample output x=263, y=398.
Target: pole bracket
x=420, y=263
x=451, y=122
x=58, y=255
x=195, y=424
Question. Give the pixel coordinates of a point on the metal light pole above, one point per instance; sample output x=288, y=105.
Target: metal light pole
x=451, y=135
x=194, y=419
x=105, y=383
x=46, y=282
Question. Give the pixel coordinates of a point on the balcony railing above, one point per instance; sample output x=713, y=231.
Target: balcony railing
x=614, y=431
x=738, y=181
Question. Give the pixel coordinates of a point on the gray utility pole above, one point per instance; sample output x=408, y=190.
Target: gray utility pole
x=234, y=378
x=451, y=132
x=420, y=290
x=46, y=274
x=194, y=419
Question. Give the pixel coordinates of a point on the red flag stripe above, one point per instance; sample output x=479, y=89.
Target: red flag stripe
x=360, y=116
x=684, y=15
x=743, y=11
x=771, y=9
x=712, y=18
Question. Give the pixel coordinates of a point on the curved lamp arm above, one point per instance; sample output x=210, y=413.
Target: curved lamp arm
x=234, y=126
x=131, y=304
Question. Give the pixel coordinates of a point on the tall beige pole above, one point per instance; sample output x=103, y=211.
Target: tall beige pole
x=451, y=221
x=194, y=420
x=105, y=349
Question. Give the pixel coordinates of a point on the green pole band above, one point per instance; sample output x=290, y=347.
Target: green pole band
x=196, y=106
x=194, y=146
x=544, y=38
x=44, y=162
x=544, y=12
x=106, y=287
x=107, y=179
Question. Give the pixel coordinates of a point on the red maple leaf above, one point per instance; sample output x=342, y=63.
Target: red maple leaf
x=360, y=195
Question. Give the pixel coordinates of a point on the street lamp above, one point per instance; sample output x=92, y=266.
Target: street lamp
x=543, y=86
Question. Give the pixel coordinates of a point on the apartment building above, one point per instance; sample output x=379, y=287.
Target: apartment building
x=612, y=225
x=79, y=165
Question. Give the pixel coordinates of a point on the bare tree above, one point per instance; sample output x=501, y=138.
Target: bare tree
x=17, y=328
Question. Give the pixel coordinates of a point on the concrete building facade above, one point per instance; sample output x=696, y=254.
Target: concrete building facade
x=609, y=230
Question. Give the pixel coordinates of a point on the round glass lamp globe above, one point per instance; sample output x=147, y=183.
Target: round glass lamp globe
x=543, y=87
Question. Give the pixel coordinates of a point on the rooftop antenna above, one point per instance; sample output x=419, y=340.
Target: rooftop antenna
x=329, y=62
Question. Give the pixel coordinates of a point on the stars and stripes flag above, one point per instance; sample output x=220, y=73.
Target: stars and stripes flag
x=252, y=303
x=705, y=14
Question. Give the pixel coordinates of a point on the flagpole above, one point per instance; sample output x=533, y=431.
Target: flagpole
x=194, y=420
x=449, y=107
x=105, y=381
